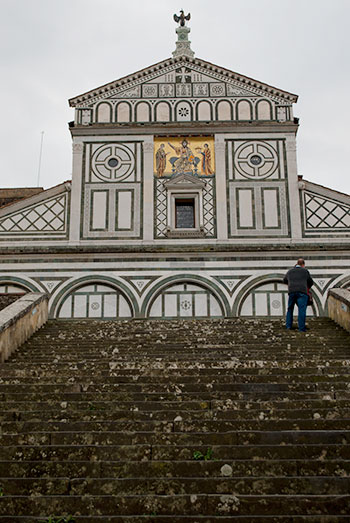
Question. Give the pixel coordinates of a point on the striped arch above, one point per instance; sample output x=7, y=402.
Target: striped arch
x=267, y=296
x=98, y=297
x=185, y=296
x=12, y=284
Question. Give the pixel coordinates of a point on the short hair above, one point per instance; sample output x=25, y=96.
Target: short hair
x=301, y=261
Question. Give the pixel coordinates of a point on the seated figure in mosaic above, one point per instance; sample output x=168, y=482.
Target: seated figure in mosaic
x=185, y=162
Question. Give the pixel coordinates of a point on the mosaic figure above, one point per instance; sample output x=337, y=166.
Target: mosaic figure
x=161, y=160
x=206, y=160
x=186, y=160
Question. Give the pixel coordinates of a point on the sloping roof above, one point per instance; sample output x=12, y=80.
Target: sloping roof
x=35, y=198
x=135, y=78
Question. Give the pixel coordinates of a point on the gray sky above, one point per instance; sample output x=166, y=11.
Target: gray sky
x=52, y=50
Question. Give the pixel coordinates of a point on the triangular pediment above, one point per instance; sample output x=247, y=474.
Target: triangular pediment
x=183, y=77
x=185, y=181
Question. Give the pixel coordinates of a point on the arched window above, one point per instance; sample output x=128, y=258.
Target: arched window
x=95, y=300
x=104, y=113
x=186, y=300
x=268, y=299
x=123, y=112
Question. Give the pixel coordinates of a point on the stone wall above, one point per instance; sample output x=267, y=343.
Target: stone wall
x=7, y=299
x=20, y=320
x=339, y=307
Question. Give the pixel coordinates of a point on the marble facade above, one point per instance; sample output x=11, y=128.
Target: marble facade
x=185, y=201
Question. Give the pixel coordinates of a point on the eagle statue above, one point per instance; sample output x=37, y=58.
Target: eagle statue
x=181, y=19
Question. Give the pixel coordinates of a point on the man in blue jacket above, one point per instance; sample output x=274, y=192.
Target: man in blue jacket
x=299, y=281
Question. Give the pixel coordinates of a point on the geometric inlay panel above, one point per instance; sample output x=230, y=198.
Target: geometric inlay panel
x=161, y=209
x=208, y=208
x=256, y=160
x=323, y=213
x=113, y=162
x=48, y=216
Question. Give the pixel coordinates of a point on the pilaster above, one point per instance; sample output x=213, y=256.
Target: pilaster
x=77, y=174
x=148, y=194
x=220, y=180
x=293, y=188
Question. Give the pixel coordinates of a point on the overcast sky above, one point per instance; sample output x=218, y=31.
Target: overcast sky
x=52, y=50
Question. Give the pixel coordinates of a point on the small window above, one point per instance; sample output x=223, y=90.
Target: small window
x=185, y=213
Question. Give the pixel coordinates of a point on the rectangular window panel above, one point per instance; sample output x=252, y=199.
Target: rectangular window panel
x=124, y=209
x=184, y=213
x=261, y=304
x=245, y=208
x=201, y=304
x=270, y=202
x=80, y=302
x=170, y=304
x=110, y=306
x=99, y=210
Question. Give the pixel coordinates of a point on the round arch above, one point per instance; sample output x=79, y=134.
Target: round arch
x=272, y=298
x=142, y=112
x=157, y=110
x=183, y=111
x=88, y=286
x=103, y=112
x=13, y=281
x=188, y=286
x=122, y=112
x=344, y=282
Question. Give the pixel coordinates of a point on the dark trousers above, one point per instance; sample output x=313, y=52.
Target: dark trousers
x=300, y=299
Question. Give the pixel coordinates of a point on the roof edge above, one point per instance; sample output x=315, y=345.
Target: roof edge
x=170, y=61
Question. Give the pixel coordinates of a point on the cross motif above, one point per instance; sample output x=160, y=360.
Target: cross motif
x=182, y=75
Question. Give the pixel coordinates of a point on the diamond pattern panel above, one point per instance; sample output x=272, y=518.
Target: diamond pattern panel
x=49, y=216
x=323, y=213
x=208, y=208
x=161, y=210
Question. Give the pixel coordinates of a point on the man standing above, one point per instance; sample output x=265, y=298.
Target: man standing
x=299, y=282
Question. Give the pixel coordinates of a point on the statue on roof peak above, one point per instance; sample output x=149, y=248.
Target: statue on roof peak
x=181, y=19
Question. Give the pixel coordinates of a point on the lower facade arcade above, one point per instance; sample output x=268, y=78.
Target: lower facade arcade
x=201, y=290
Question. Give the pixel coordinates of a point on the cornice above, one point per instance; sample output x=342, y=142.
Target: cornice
x=168, y=65
x=188, y=128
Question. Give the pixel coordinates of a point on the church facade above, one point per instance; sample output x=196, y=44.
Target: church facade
x=185, y=201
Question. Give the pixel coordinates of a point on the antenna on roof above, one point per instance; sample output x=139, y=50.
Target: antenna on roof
x=40, y=156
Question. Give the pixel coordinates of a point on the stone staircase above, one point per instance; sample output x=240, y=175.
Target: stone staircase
x=194, y=421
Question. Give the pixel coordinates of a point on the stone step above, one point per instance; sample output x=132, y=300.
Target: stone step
x=161, y=433
x=313, y=457
x=184, y=518
x=106, y=420
x=102, y=462
x=282, y=485
x=139, y=413
x=210, y=504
